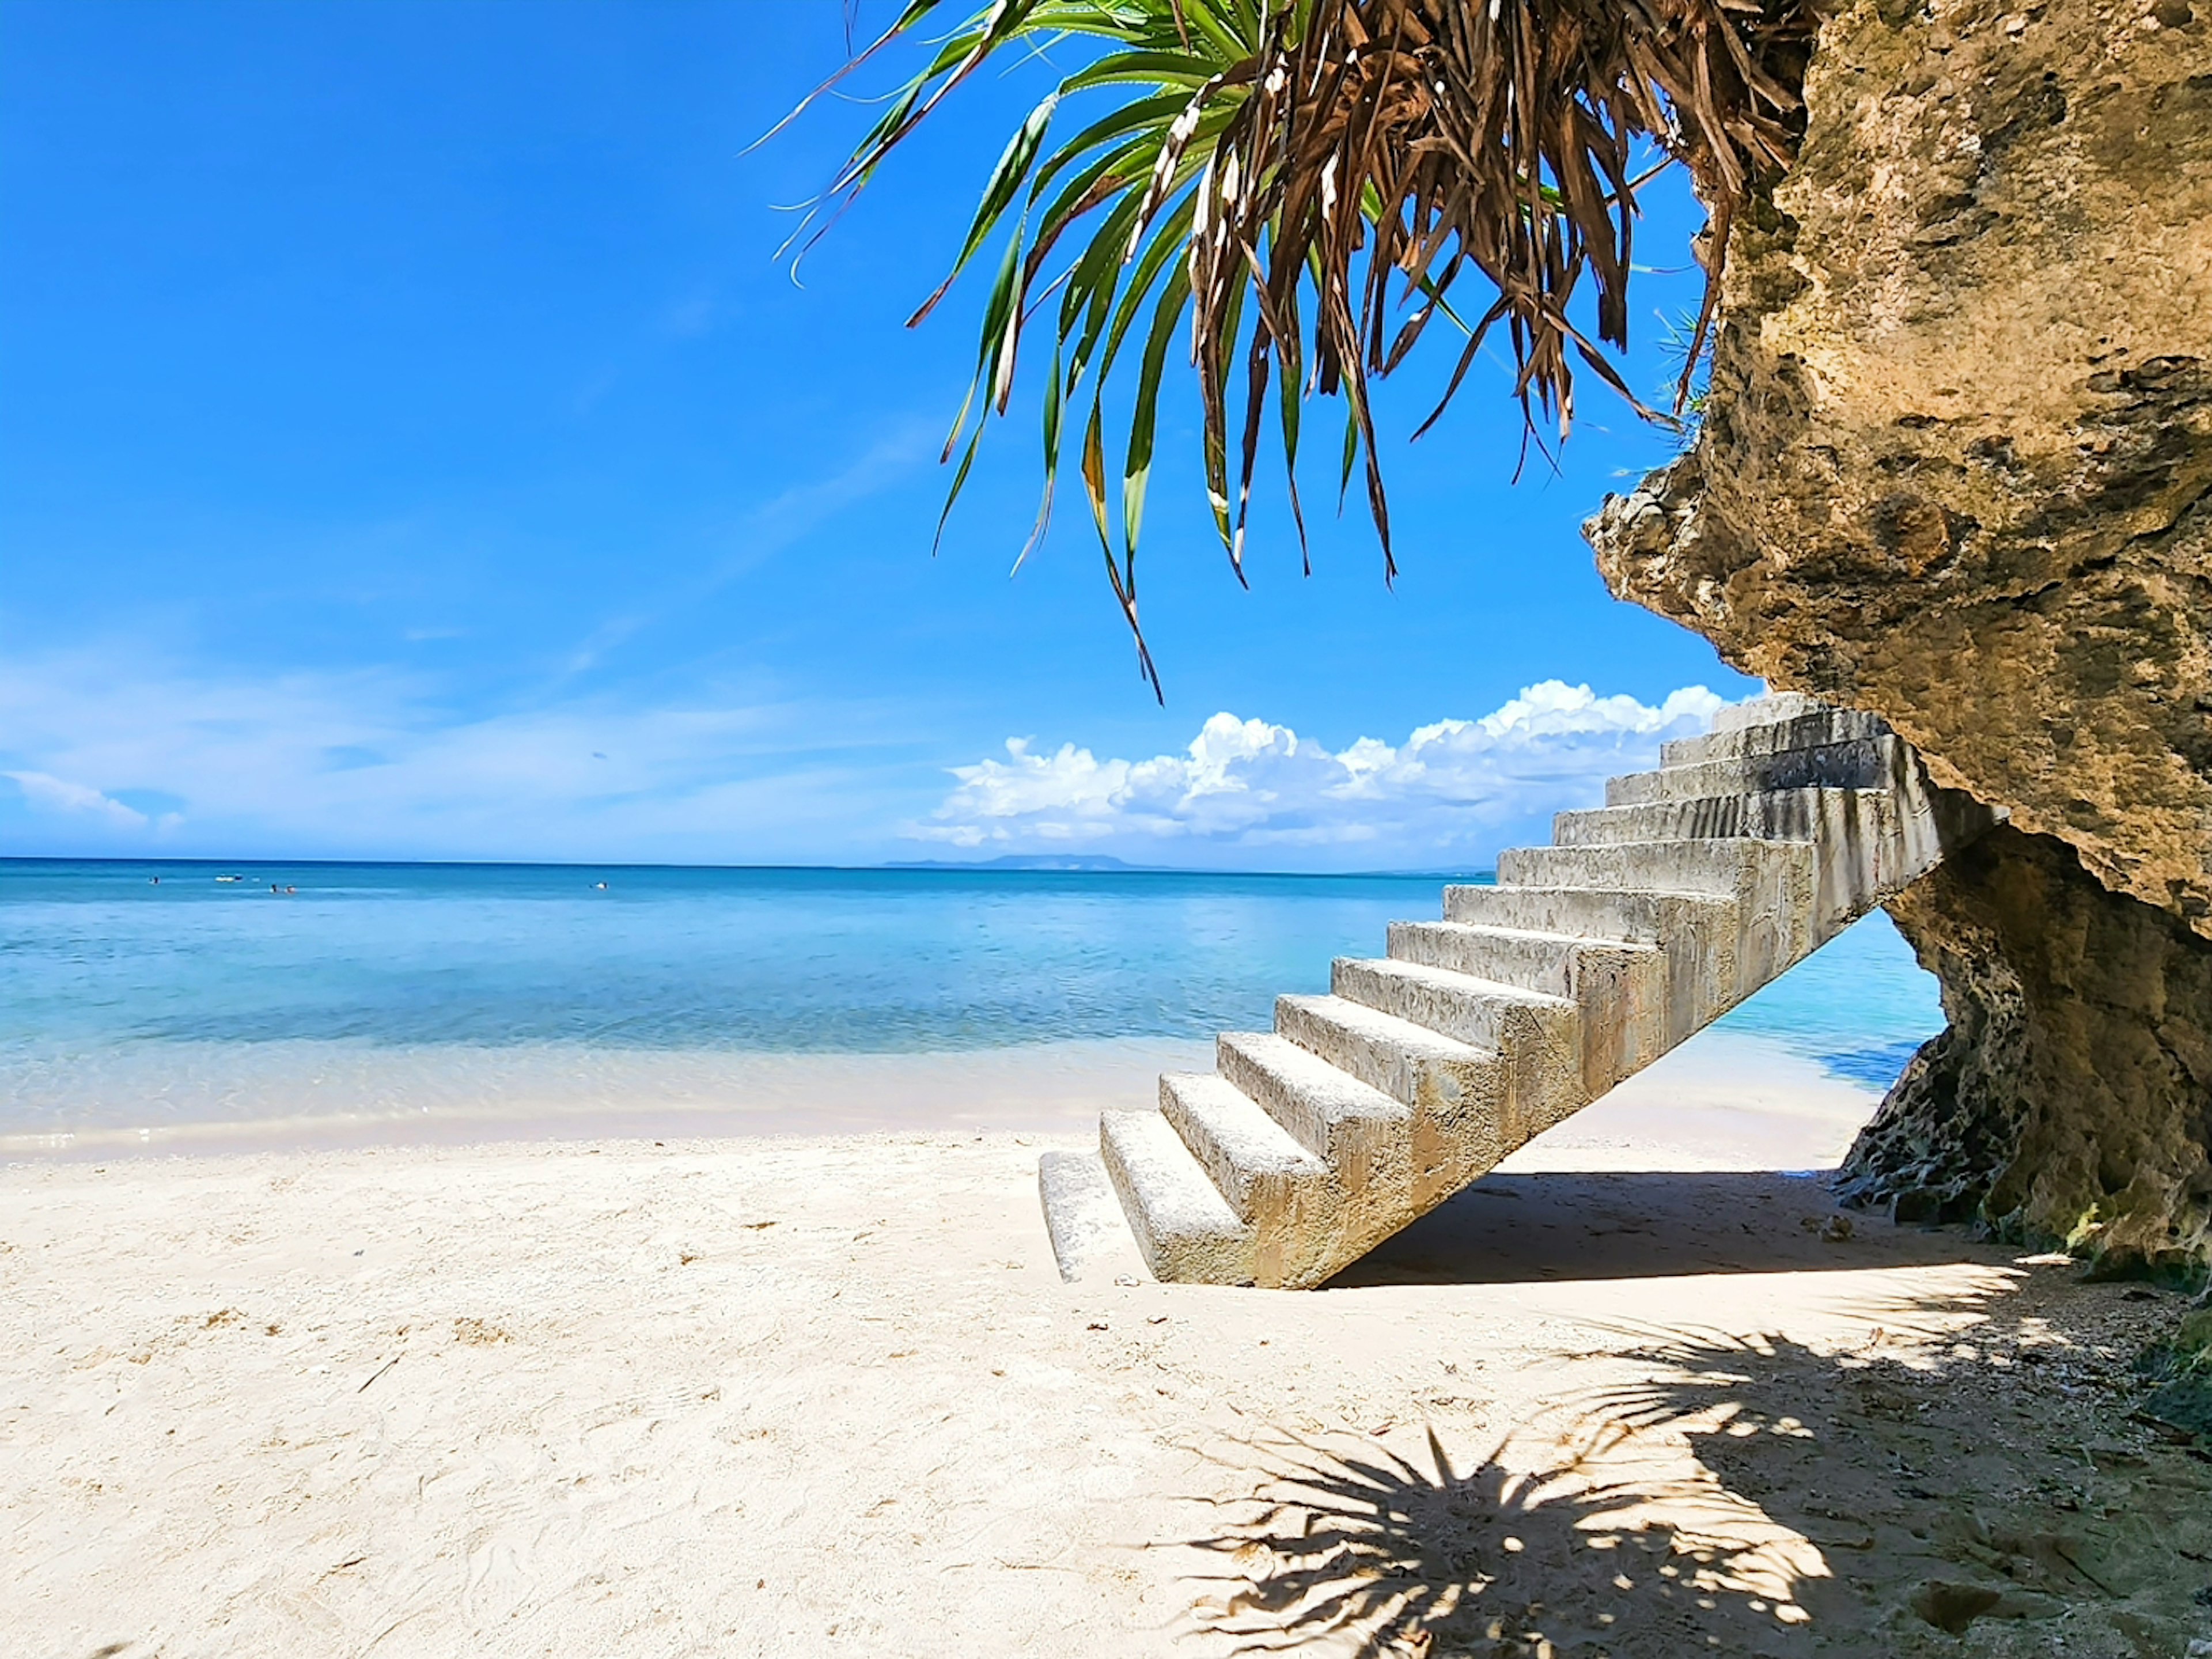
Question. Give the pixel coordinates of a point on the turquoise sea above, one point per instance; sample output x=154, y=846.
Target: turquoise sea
x=145, y=996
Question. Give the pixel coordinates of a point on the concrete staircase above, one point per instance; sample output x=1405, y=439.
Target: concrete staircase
x=1643, y=921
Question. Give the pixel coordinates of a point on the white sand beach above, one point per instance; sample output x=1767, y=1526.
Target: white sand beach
x=778, y=1395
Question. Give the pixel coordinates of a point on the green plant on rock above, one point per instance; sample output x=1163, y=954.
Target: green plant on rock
x=1309, y=182
x=2181, y=1366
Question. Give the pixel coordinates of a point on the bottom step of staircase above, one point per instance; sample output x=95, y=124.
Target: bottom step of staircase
x=1090, y=1237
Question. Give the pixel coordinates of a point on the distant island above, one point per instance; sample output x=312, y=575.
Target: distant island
x=1102, y=864
x=1089, y=863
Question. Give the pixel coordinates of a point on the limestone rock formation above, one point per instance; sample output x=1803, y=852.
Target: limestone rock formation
x=2071, y=1097
x=1956, y=462
x=1955, y=469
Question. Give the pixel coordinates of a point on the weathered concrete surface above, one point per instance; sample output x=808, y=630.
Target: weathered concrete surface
x=2071, y=1099
x=1956, y=455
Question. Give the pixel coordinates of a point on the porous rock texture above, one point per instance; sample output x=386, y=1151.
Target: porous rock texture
x=1955, y=468
x=2071, y=1097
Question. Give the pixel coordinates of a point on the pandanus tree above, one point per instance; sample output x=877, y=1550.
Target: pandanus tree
x=1305, y=185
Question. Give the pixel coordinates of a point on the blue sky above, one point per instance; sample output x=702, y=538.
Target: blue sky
x=413, y=448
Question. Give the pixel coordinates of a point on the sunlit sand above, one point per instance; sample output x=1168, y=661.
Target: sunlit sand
x=784, y=1396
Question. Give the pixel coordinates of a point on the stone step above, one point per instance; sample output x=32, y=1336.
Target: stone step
x=1697, y=936
x=1812, y=731
x=1620, y=989
x=1783, y=906
x=1535, y=960
x=1770, y=709
x=1770, y=815
x=1184, y=1225
x=1412, y=1064
x=1360, y=1132
x=1252, y=1160
x=1633, y=916
x=1539, y=1038
x=1482, y=1014
x=1864, y=763
x=1083, y=1218
x=1281, y=1191
x=1721, y=868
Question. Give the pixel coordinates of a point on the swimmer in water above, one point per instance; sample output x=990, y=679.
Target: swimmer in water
x=598, y=887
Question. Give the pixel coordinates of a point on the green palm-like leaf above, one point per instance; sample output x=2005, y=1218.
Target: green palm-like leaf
x=1303, y=154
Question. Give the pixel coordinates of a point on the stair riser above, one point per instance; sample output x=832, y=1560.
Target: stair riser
x=1290, y=1204
x=1367, y=1153
x=1701, y=972
x=1532, y=961
x=1783, y=815
x=1622, y=989
x=1865, y=764
x=1260, y=1190
x=1457, y=1104
x=1420, y=1081
x=1770, y=709
x=1819, y=731
x=1736, y=869
x=1176, y=1245
x=1539, y=1048
x=1775, y=885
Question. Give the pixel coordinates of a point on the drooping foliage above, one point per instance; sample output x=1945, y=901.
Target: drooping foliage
x=1326, y=172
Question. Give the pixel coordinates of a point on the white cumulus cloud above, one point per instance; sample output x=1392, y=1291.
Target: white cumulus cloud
x=1457, y=789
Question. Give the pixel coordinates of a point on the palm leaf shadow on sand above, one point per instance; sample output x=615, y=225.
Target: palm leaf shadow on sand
x=1387, y=1557
x=1743, y=1495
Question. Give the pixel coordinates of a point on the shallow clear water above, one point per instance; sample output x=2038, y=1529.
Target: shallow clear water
x=124, y=998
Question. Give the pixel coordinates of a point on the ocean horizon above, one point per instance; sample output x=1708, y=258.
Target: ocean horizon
x=186, y=1001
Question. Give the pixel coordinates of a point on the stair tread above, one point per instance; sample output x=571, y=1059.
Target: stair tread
x=1538, y=887
x=1375, y=1022
x=1337, y=1094
x=1731, y=794
x=1083, y=1219
x=1239, y=1125
x=1464, y=984
x=1491, y=931
x=1175, y=1194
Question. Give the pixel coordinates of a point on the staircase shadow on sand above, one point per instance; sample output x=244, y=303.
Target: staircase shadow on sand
x=1661, y=1224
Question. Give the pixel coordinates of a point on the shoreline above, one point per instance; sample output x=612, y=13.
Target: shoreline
x=1736, y=1096
x=457, y=1095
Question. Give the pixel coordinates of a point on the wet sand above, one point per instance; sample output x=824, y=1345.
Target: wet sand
x=1637, y=1394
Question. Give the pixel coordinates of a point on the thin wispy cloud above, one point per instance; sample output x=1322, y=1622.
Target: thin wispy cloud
x=379, y=762
x=782, y=520
x=1450, y=788
x=45, y=791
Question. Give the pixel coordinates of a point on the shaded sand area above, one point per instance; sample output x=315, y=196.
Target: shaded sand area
x=1630, y=1396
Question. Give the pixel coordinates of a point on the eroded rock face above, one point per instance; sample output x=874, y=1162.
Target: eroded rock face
x=1955, y=469
x=1956, y=462
x=2071, y=1097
